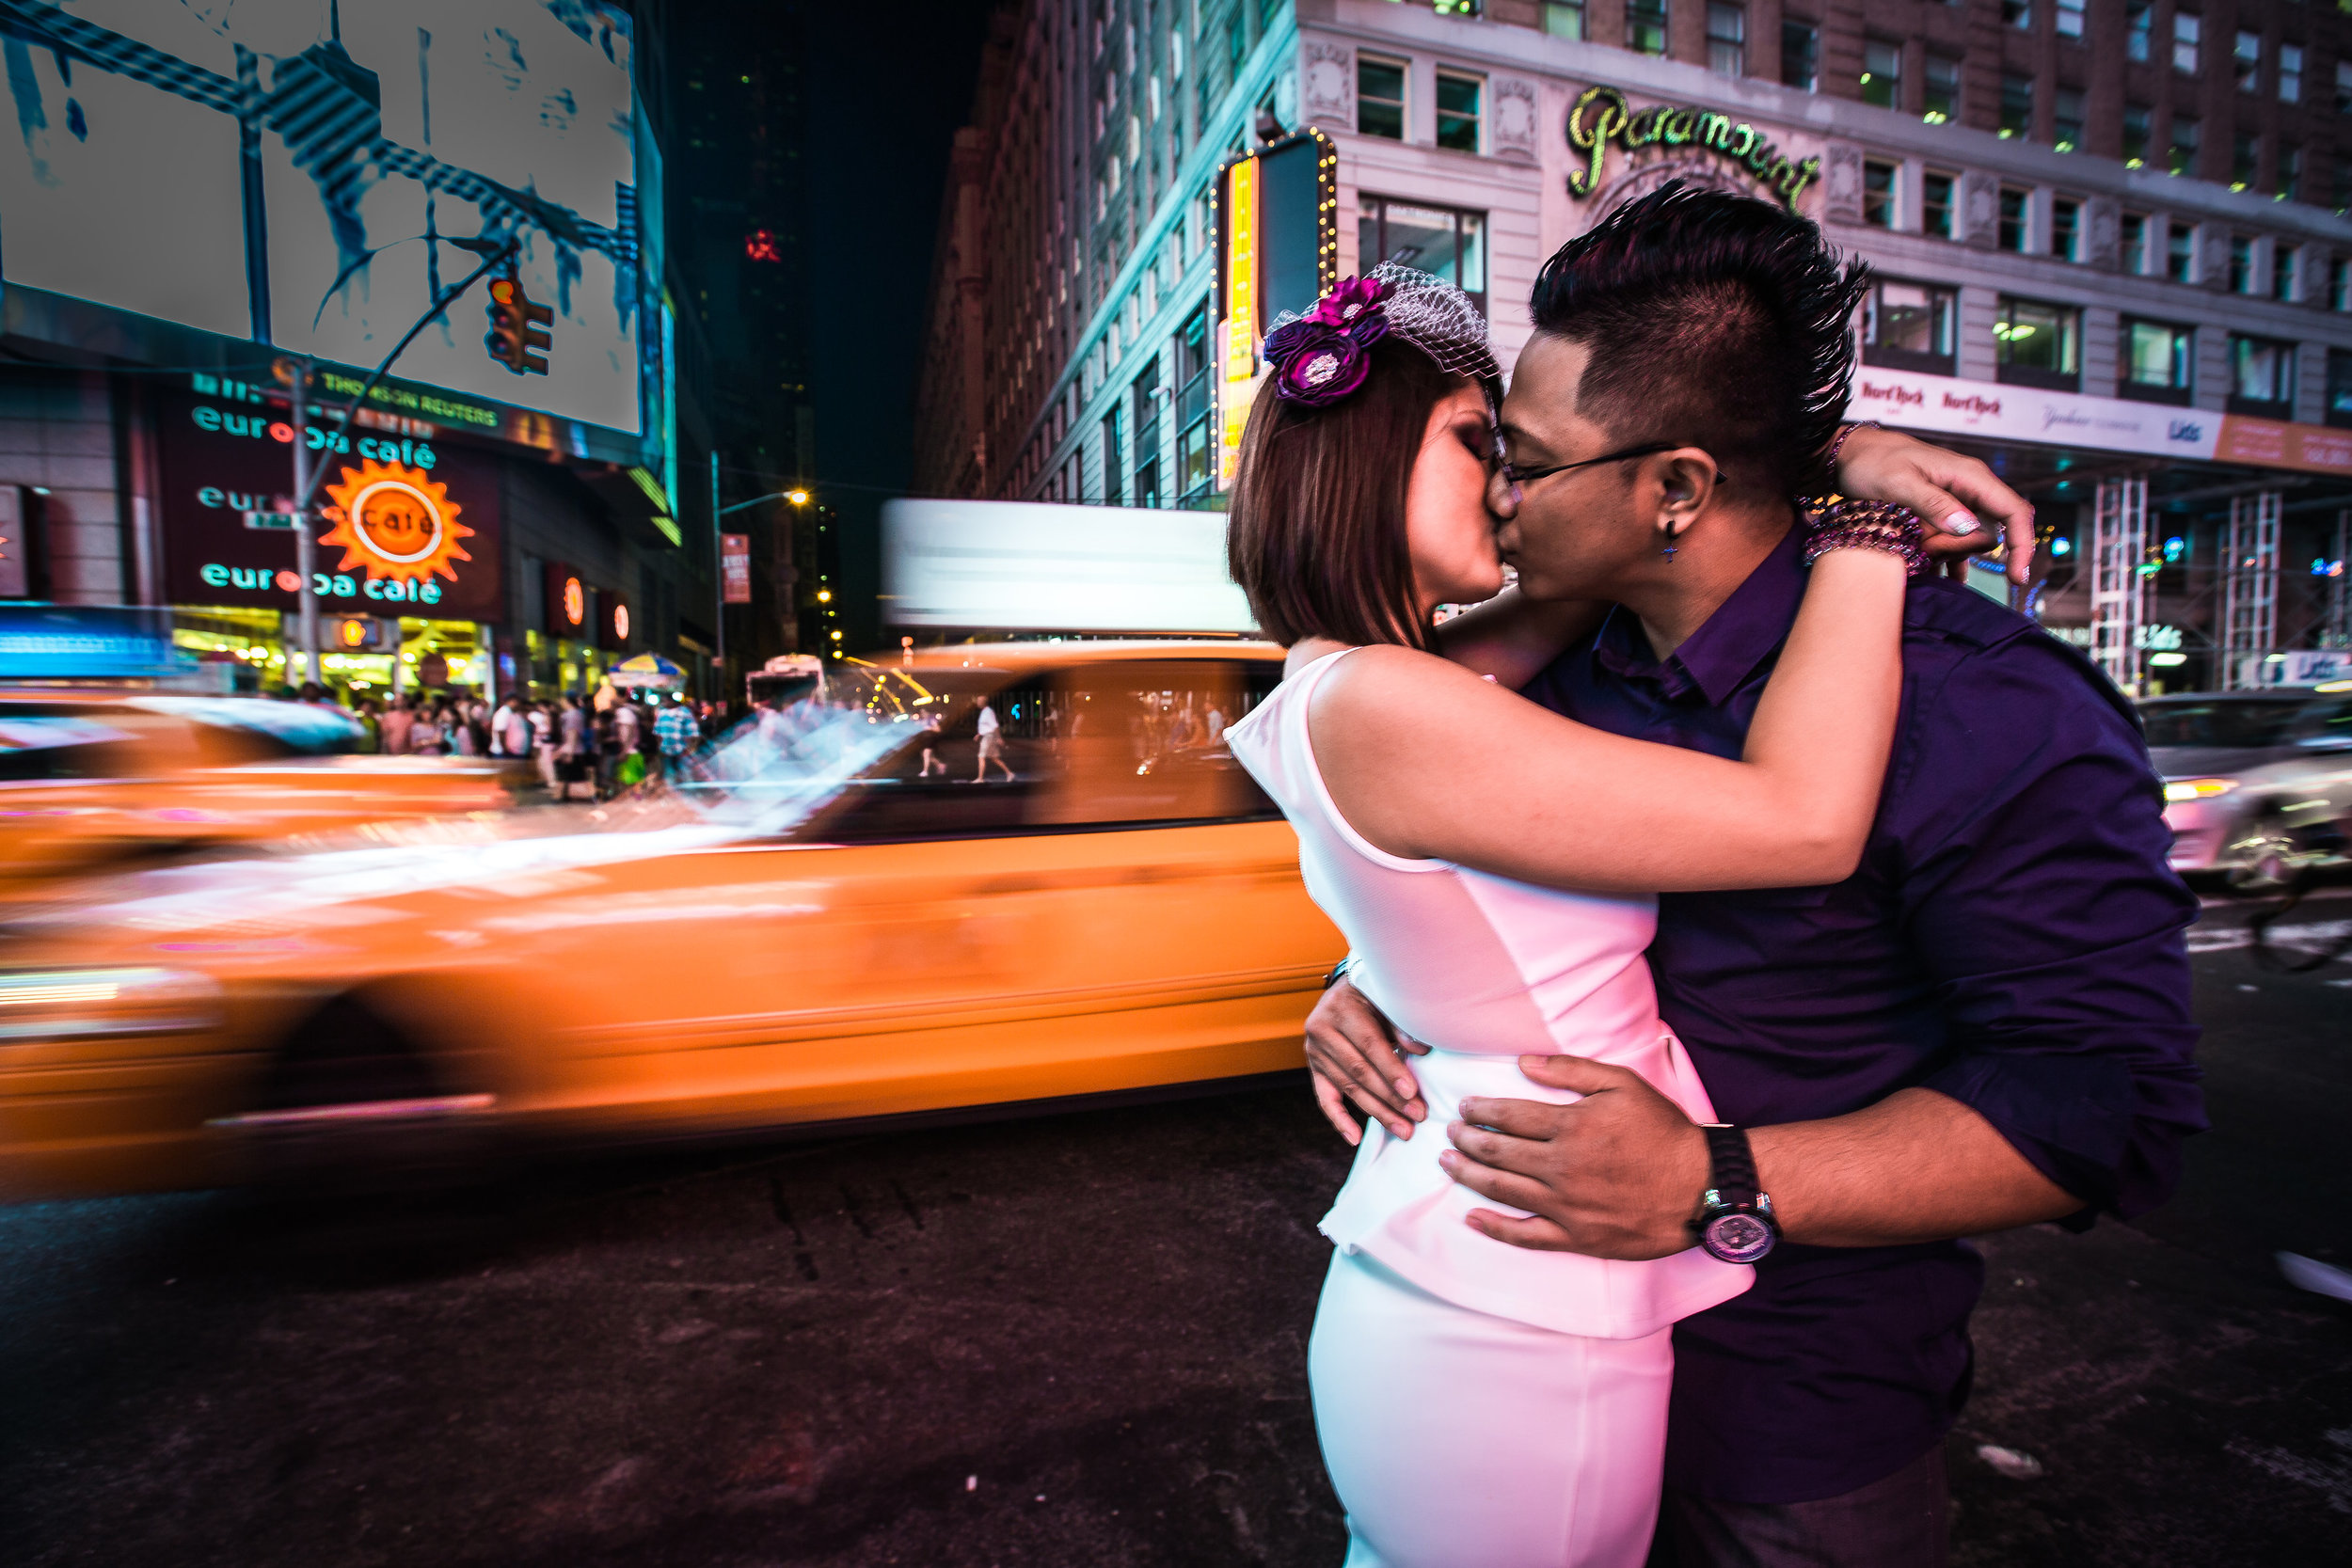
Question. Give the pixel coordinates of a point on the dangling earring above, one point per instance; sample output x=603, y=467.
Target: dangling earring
x=1669, y=551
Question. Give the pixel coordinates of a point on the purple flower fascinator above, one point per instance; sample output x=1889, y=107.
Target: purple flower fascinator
x=1322, y=356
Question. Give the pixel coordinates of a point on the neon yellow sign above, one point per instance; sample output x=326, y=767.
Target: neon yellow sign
x=1602, y=115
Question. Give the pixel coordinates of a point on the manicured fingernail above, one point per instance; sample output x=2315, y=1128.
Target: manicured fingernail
x=1407, y=1087
x=1960, y=522
x=1447, y=1161
x=1416, y=1110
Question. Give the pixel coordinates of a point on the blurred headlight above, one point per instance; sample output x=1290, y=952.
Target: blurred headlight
x=2197, y=789
x=69, y=1004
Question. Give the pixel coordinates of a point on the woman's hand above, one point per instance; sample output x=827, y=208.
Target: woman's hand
x=1967, y=508
x=1355, y=1053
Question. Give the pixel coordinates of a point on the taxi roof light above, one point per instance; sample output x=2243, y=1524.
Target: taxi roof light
x=2197, y=789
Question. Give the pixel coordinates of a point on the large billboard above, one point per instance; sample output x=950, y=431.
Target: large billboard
x=295, y=174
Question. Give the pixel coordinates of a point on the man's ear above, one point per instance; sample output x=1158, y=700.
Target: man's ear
x=1685, y=478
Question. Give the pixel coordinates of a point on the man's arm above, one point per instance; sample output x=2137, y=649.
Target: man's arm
x=2033, y=888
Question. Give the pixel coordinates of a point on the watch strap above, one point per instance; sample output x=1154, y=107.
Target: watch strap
x=1731, y=1164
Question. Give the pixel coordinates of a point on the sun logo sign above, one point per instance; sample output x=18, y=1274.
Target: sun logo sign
x=395, y=522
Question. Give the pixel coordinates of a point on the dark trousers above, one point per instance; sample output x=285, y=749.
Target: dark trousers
x=1902, y=1521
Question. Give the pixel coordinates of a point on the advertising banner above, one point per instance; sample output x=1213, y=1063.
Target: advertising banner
x=1032, y=566
x=406, y=526
x=735, y=568
x=1951, y=407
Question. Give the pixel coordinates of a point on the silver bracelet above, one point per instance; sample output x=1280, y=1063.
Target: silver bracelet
x=1845, y=433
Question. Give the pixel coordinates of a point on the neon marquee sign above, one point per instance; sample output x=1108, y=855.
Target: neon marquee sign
x=1602, y=115
x=394, y=522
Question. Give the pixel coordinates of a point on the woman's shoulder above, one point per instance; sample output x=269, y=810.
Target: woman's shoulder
x=1382, y=676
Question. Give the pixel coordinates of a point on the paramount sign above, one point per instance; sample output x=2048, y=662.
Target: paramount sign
x=1602, y=115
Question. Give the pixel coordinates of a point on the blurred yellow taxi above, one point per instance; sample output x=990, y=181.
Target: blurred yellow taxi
x=854, y=908
x=95, y=777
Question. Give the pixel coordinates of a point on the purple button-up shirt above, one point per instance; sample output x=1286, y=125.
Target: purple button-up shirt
x=2013, y=939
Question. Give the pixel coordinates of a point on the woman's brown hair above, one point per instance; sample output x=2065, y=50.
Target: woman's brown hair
x=1315, y=535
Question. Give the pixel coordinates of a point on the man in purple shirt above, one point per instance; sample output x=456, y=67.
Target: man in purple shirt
x=1987, y=1024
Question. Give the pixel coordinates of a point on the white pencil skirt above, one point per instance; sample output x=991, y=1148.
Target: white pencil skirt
x=1460, y=1440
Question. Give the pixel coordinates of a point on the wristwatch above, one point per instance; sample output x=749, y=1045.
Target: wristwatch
x=1735, y=1220
x=1339, y=971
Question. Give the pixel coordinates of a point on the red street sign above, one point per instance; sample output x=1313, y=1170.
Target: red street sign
x=735, y=567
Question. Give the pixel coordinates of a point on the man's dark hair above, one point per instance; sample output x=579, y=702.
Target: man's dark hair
x=1715, y=320
x=1315, y=533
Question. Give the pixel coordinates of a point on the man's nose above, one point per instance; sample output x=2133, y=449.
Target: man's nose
x=1503, y=496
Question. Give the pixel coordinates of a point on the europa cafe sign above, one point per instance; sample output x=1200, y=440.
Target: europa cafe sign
x=408, y=523
x=1601, y=116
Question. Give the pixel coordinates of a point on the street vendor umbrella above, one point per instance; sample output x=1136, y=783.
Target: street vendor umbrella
x=647, y=669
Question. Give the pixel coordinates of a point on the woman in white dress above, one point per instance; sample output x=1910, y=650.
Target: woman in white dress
x=1499, y=905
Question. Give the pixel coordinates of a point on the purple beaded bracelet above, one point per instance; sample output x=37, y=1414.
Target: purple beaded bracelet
x=1836, y=523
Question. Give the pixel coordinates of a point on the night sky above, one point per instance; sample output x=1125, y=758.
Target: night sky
x=887, y=90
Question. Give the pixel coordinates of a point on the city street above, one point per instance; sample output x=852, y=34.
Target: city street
x=1077, y=1339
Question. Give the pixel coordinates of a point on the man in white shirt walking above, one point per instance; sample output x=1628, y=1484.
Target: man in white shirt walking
x=992, y=743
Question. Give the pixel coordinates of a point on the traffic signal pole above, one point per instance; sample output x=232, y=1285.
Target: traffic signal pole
x=306, y=545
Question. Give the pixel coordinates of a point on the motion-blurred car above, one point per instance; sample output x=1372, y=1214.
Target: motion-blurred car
x=95, y=778
x=842, y=916
x=2255, y=781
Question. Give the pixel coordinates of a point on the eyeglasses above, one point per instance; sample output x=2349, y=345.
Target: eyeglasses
x=1511, y=474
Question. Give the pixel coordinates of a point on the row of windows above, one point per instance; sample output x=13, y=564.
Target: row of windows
x=2150, y=245
x=1380, y=104
x=1915, y=327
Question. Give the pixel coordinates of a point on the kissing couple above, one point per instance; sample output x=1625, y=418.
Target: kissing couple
x=1739, y=912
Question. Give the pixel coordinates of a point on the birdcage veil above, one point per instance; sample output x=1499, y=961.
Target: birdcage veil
x=1434, y=316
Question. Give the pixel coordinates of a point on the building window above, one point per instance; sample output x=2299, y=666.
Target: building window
x=2261, y=377
x=2340, y=283
x=1800, y=55
x=2246, y=157
x=2241, y=264
x=1645, y=26
x=1942, y=99
x=1148, y=393
x=1440, y=240
x=1909, y=327
x=1883, y=74
x=2017, y=105
x=2187, y=26
x=2290, y=180
x=2245, y=60
x=1113, y=454
x=2134, y=135
x=1939, y=206
x=2180, y=253
x=1380, y=97
x=2139, y=25
x=2016, y=206
x=2017, y=14
x=1195, y=467
x=1878, y=193
x=2343, y=93
x=2066, y=119
x=1565, y=21
x=1727, y=38
x=2185, y=137
x=2070, y=18
x=2339, y=408
x=2039, y=346
x=2066, y=230
x=2136, y=257
x=2282, y=271
x=1457, y=110
x=2158, y=360
x=2289, y=73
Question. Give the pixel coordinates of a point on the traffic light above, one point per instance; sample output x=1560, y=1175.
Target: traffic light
x=517, y=328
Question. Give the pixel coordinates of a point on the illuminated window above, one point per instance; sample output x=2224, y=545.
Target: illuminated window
x=1645, y=26
x=1942, y=99
x=1909, y=327
x=1440, y=240
x=2158, y=361
x=1883, y=74
x=2262, y=376
x=1565, y=21
x=2017, y=105
x=1727, y=38
x=1878, y=193
x=2245, y=60
x=1457, y=110
x=1939, y=205
x=1380, y=98
x=2070, y=18
x=1800, y=55
x=2037, y=344
x=2187, y=28
x=2066, y=119
x=2289, y=73
x=2139, y=25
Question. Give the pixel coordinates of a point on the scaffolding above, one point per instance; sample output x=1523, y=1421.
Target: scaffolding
x=2119, y=585
x=2249, y=588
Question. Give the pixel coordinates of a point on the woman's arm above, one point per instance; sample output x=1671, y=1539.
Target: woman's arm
x=1511, y=637
x=1427, y=760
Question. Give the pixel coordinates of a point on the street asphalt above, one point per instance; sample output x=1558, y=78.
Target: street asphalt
x=1077, y=1339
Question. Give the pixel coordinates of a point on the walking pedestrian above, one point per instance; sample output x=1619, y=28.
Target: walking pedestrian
x=992, y=735
x=675, y=729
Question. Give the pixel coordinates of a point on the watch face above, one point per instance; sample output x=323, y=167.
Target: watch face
x=1738, y=1238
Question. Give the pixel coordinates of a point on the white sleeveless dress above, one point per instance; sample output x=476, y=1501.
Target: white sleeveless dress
x=1434, y=1340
